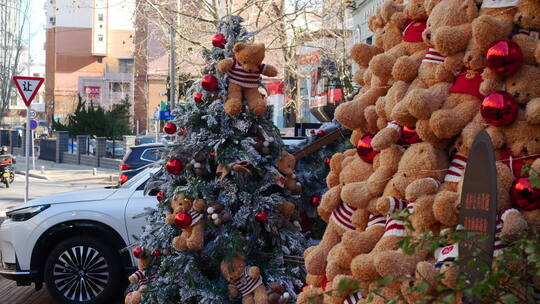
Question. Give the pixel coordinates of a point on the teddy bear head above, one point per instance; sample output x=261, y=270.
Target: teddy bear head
x=232, y=270
x=524, y=85
x=527, y=15
x=474, y=58
x=336, y=163
x=416, y=10
x=465, y=140
x=143, y=261
x=521, y=137
x=354, y=170
x=249, y=55
x=177, y=202
x=444, y=14
x=286, y=163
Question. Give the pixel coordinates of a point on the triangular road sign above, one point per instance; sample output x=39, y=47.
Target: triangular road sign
x=28, y=87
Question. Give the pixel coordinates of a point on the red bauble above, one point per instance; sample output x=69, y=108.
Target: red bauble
x=181, y=131
x=320, y=133
x=499, y=109
x=504, y=57
x=261, y=217
x=182, y=220
x=365, y=150
x=219, y=41
x=157, y=252
x=169, y=128
x=524, y=195
x=212, y=154
x=315, y=201
x=311, y=131
x=137, y=252
x=409, y=135
x=174, y=166
x=209, y=82
x=198, y=97
x=160, y=196
x=327, y=161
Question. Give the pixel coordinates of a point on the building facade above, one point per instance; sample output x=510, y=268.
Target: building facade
x=89, y=54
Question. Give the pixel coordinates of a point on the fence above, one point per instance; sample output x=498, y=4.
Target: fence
x=47, y=149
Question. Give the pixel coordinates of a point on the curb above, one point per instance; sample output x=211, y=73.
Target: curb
x=32, y=175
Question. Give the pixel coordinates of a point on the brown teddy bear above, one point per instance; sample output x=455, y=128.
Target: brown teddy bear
x=139, y=277
x=494, y=23
x=245, y=281
x=411, y=23
x=286, y=165
x=528, y=23
x=340, y=215
x=192, y=236
x=421, y=161
x=245, y=70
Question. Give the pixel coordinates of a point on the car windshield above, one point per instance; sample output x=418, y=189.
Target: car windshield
x=144, y=174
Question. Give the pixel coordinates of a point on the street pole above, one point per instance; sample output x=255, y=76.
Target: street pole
x=27, y=152
x=33, y=151
x=173, y=69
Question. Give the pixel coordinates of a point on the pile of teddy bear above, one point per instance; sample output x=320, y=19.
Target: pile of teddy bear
x=440, y=72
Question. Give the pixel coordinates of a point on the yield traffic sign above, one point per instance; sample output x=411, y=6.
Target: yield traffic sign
x=28, y=87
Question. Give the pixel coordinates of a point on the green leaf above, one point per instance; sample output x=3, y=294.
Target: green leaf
x=385, y=281
x=535, y=181
x=525, y=169
x=509, y=299
x=422, y=287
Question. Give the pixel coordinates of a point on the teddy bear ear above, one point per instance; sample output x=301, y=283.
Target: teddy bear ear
x=430, y=4
x=470, y=8
x=261, y=45
x=239, y=46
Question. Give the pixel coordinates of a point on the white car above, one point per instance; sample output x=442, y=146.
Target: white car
x=73, y=242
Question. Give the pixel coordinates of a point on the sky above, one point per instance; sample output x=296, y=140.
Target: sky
x=37, y=30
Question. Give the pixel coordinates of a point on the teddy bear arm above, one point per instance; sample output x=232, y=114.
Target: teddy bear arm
x=491, y=82
x=254, y=272
x=233, y=291
x=513, y=225
x=195, y=241
x=532, y=111
x=199, y=205
x=378, y=180
x=450, y=40
x=420, y=187
x=225, y=65
x=330, y=200
x=270, y=71
x=445, y=207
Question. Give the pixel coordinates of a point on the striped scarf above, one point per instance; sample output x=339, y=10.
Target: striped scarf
x=342, y=216
x=245, y=79
x=433, y=56
x=353, y=298
x=195, y=216
x=457, y=166
x=246, y=284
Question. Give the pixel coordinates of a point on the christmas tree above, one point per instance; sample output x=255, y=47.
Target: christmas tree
x=224, y=205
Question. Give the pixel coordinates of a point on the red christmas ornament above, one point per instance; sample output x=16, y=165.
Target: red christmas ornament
x=320, y=133
x=181, y=131
x=174, y=166
x=315, y=201
x=499, y=109
x=212, y=154
x=137, y=252
x=157, y=252
x=169, y=128
x=198, y=97
x=261, y=217
x=409, y=135
x=311, y=131
x=182, y=220
x=504, y=57
x=160, y=196
x=524, y=195
x=327, y=161
x=219, y=41
x=209, y=82
x=365, y=150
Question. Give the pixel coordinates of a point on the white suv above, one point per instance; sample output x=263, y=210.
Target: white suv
x=73, y=242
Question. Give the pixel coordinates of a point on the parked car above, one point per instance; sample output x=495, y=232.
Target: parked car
x=72, y=241
x=137, y=158
x=115, y=149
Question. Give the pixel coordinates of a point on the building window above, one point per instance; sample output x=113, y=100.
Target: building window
x=100, y=17
x=125, y=65
x=100, y=38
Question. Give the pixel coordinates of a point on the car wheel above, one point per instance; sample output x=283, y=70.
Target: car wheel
x=83, y=269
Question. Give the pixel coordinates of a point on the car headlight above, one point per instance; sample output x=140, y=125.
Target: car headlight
x=21, y=215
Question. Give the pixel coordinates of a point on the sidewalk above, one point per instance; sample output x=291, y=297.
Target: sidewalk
x=65, y=172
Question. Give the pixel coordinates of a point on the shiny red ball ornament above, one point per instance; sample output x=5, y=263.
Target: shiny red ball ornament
x=311, y=131
x=174, y=166
x=499, y=109
x=169, y=128
x=209, y=83
x=320, y=133
x=504, y=57
x=182, y=220
x=212, y=154
x=410, y=136
x=315, y=201
x=327, y=161
x=261, y=217
x=137, y=252
x=365, y=149
x=160, y=196
x=524, y=195
x=198, y=97
x=157, y=252
x=219, y=41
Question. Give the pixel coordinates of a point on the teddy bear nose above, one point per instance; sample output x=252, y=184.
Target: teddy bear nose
x=516, y=95
x=469, y=58
x=520, y=17
x=428, y=36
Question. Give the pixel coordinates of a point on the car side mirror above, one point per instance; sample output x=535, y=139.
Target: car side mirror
x=153, y=192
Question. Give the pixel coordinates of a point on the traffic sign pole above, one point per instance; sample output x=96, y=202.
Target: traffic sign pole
x=27, y=152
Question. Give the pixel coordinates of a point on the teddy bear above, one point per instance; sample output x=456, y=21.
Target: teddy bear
x=218, y=214
x=192, y=236
x=422, y=162
x=139, y=277
x=244, y=71
x=277, y=293
x=286, y=165
x=528, y=23
x=340, y=215
x=494, y=23
x=245, y=281
x=411, y=23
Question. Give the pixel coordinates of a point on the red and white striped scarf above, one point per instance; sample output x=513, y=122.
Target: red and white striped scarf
x=394, y=226
x=499, y=245
x=342, y=216
x=245, y=79
x=456, y=168
x=434, y=56
x=376, y=220
x=246, y=284
x=353, y=298
x=195, y=216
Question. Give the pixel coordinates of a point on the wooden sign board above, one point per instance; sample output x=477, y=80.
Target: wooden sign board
x=478, y=208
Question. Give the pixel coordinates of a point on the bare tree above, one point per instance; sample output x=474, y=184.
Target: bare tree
x=13, y=17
